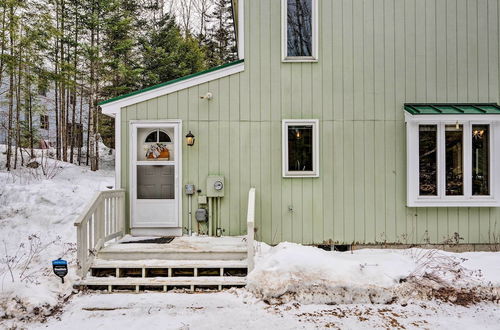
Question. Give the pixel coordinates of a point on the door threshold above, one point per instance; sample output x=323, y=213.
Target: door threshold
x=156, y=232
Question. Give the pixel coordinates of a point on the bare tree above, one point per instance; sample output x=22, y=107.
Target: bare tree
x=202, y=8
x=185, y=7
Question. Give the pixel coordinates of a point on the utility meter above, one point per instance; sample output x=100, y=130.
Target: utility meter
x=218, y=185
x=201, y=215
x=215, y=186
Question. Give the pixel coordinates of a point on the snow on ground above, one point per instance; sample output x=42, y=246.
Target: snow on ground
x=36, y=227
x=293, y=286
x=239, y=310
x=292, y=272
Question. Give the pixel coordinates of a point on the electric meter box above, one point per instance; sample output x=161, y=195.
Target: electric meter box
x=189, y=189
x=202, y=199
x=215, y=186
x=201, y=215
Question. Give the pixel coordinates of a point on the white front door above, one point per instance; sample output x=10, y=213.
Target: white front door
x=155, y=171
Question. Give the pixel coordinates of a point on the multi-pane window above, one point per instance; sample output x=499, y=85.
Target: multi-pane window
x=300, y=148
x=44, y=122
x=427, y=140
x=299, y=30
x=454, y=164
x=157, y=136
x=480, y=160
x=449, y=164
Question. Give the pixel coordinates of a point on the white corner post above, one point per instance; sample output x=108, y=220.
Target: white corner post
x=251, y=229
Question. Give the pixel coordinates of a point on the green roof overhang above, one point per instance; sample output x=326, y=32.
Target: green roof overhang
x=452, y=108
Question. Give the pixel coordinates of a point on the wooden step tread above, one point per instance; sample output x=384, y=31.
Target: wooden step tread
x=201, y=280
x=166, y=248
x=102, y=263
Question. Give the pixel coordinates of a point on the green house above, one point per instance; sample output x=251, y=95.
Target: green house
x=357, y=122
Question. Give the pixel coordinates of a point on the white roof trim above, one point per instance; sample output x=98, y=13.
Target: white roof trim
x=112, y=108
x=487, y=117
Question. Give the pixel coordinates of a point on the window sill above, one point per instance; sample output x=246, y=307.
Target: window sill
x=473, y=202
x=311, y=59
x=288, y=176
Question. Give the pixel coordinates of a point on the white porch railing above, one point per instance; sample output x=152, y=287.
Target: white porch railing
x=251, y=229
x=101, y=221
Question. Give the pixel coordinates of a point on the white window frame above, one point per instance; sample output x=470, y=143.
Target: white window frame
x=413, y=170
x=284, y=37
x=284, y=146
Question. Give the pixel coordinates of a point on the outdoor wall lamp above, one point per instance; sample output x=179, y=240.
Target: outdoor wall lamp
x=190, y=139
x=208, y=96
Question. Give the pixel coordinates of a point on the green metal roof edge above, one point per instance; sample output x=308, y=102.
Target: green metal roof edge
x=173, y=81
x=409, y=107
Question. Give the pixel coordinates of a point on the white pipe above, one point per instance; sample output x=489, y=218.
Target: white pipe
x=219, y=220
x=210, y=216
x=190, y=217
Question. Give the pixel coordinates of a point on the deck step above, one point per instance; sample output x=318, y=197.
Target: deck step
x=103, y=263
x=111, y=284
x=181, y=248
x=140, y=254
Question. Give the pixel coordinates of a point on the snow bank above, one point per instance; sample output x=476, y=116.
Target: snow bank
x=36, y=227
x=310, y=275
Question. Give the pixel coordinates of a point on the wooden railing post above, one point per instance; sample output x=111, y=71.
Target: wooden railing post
x=101, y=223
x=79, y=251
x=121, y=212
x=251, y=229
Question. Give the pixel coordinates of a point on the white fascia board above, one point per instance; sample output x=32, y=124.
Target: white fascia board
x=114, y=107
x=118, y=156
x=451, y=118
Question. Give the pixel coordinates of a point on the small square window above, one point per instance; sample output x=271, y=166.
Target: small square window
x=300, y=30
x=300, y=148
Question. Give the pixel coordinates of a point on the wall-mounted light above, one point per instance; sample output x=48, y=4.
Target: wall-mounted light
x=190, y=139
x=207, y=96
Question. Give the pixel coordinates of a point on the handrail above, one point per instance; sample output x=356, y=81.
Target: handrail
x=102, y=220
x=251, y=229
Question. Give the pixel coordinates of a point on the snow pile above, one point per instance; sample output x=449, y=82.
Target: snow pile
x=36, y=227
x=290, y=271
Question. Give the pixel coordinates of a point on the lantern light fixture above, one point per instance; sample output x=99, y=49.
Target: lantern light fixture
x=190, y=139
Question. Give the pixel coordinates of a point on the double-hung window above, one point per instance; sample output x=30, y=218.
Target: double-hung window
x=299, y=30
x=452, y=155
x=300, y=148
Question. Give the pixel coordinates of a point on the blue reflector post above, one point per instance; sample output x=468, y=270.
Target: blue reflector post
x=59, y=262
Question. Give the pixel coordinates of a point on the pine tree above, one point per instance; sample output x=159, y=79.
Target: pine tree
x=119, y=46
x=168, y=55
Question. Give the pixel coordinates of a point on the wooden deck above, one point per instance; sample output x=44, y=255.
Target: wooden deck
x=186, y=262
x=109, y=261
x=181, y=248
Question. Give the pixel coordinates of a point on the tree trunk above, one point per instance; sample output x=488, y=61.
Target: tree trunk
x=30, y=115
x=2, y=44
x=75, y=77
x=96, y=108
x=18, y=109
x=11, y=87
x=92, y=135
x=64, y=135
x=56, y=88
x=87, y=156
x=81, y=127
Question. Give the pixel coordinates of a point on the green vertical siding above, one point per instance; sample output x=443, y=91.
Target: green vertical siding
x=374, y=55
